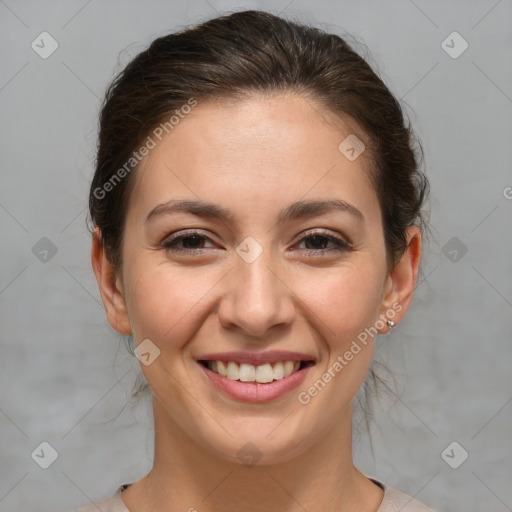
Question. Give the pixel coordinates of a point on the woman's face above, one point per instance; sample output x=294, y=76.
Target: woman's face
x=260, y=273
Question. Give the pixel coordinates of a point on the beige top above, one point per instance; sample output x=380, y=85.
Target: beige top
x=393, y=501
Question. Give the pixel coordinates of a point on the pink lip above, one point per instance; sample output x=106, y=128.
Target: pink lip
x=254, y=391
x=257, y=358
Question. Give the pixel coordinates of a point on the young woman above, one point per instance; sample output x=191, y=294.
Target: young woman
x=257, y=222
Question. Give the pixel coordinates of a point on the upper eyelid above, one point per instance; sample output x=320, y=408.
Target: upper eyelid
x=337, y=239
x=323, y=232
x=187, y=233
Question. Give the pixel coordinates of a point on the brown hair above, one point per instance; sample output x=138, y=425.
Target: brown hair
x=255, y=51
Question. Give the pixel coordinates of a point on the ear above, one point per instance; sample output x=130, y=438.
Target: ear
x=401, y=281
x=110, y=286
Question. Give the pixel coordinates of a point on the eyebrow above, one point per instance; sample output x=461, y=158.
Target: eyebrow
x=295, y=211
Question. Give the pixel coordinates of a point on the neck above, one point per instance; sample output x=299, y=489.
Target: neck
x=186, y=476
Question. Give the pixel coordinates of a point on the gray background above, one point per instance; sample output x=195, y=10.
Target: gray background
x=65, y=374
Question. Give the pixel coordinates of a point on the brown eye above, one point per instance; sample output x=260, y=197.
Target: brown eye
x=319, y=243
x=316, y=241
x=190, y=242
x=193, y=241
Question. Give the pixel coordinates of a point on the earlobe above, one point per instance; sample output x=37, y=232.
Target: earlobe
x=110, y=287
x=401, y=281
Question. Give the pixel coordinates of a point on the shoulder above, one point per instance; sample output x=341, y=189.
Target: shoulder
x=395, y=500
x=113, y=503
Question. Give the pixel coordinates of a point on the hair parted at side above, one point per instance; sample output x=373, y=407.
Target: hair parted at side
x=256, y=52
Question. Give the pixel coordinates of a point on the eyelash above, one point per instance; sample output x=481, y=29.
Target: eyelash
x=340, y=245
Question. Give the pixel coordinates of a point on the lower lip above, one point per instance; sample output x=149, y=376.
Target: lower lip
x=254, y=391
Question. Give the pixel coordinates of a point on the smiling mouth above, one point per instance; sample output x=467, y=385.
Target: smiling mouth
x=261, y=374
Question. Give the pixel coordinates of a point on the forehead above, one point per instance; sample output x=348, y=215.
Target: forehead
x=255, y=154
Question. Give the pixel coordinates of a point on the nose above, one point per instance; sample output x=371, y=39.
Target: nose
x=256, y=299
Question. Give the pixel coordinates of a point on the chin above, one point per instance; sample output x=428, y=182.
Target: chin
x=255, y=442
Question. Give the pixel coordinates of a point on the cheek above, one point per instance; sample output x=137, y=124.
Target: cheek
x=342, y=304
x=167, y=302
x=345, y=300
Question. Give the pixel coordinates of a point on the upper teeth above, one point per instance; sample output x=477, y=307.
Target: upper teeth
x=249, y=373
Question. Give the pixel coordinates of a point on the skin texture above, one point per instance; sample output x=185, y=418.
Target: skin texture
x=254, y=157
